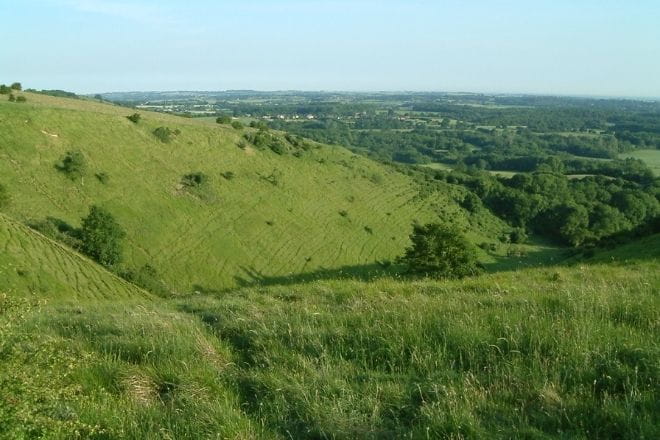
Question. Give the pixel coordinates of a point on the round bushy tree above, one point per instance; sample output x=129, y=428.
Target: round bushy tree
x=101, y=237
x=440, y=251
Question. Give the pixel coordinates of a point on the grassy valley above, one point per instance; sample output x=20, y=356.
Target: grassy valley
x=285, y=314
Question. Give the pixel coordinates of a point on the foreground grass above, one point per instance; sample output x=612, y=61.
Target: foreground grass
x=565, y=352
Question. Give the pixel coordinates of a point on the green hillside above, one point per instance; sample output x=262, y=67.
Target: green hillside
x=261, y=214
x=34, y=266
x=557, y=352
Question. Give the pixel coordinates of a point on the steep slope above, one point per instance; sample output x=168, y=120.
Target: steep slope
x=32, y=265
x=261, y=215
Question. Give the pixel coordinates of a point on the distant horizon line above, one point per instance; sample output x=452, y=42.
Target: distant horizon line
x=346, y=91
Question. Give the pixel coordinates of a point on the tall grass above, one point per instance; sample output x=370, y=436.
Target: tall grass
x=543, y=353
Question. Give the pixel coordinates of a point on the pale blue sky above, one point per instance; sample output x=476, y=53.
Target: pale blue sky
x=586, y=47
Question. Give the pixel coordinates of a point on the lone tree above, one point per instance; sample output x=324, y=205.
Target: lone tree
x=101, y=237
x=439, y=251
x=17, y=86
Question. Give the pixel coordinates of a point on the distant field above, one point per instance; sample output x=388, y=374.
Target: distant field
x=650, y=157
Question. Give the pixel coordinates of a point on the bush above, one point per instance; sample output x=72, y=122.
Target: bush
x=16, y=86
x=21, y=98
x=237, y=125
x=101, y=237
x=223, y=119
x=277, y=146
x=518, y=235
x=134, y=118
x=194, y=179
x=58, y=230
x=228, y=175
x=12, y=98
x=4, y=90
x=4, y=197
x=439, y=251
x=73, y=164
x=164, y=134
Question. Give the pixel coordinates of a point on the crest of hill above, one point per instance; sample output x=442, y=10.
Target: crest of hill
x=261, y=213
x=32, y=265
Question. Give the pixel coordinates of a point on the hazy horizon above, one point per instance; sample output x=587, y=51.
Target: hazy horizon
x=592, y=49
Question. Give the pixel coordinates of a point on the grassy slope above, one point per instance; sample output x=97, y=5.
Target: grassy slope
x=566, y=351
x=229, y=240
x=32, y=265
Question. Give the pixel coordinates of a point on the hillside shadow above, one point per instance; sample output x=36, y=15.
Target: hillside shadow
x=543, y=257
x=366, y=272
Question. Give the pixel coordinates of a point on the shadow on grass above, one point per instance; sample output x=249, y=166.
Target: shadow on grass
x=365, y=272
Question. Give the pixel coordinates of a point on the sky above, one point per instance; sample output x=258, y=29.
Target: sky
x=565, y=47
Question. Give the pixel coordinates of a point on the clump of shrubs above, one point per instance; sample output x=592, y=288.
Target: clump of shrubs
x=237, y=125
x=165, y=135
x=223, y=119
x=73, y=164
x=198, y=184
x=194, y=180
x=134, y=118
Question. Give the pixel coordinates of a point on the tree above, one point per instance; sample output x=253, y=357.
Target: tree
x=4, y=90
x=73, y=164
x=4, y=197
x=440, y=251
x=101, y=237
x=223, y=119
x=17, y=86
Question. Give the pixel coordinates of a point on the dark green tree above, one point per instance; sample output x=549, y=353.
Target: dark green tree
x=101, y=237
x=4, y=90
x=223, y=119
x=17, y=86
x=440, y=251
